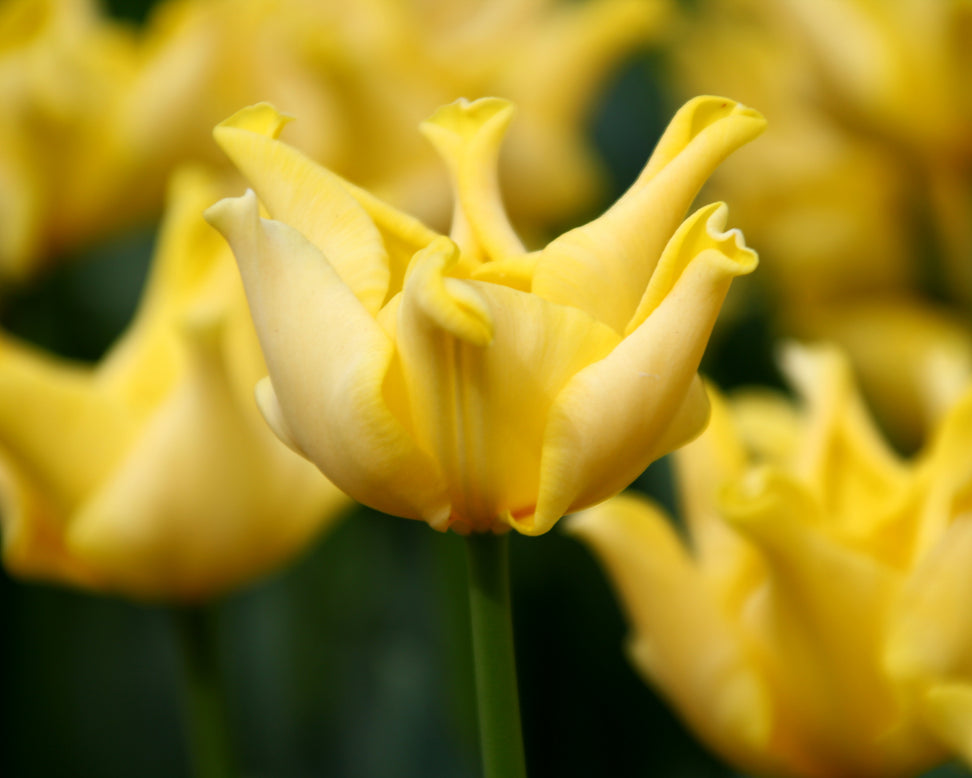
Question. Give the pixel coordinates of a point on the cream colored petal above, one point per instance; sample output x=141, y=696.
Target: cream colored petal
x=681, y=639
x=328, y=359
x=482, y=364
x=619, y=414
x=604, y=267
x=468, y=137
x=201, y=503
x=309, y=198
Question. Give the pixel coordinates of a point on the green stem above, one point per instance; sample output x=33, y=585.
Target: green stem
x=501, y=741
x=205, y=706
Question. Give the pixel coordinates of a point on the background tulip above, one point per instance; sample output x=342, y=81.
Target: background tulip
x=151, y=473
x=810, y=624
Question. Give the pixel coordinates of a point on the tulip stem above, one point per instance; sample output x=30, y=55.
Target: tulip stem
x=501, y=741
x=205, y=712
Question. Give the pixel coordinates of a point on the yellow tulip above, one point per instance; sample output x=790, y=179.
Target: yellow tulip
x=151, y=473
x=814, y=622
x=464, y=380
x=96, y=114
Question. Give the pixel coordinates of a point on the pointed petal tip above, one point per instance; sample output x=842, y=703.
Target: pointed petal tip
x=465, y=117
x=261, y=118
x=705, y=110
x=224, y=213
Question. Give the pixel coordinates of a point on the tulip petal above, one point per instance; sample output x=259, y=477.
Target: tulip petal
x=467, y=135
x=604, y=266
x=482, y=364
x=682, y=641
x=593, y=448
x=33, y=531
x=328, y=360
x=185, y=536
x=931, y=635
x=703, y=230
x=947, y=709
x=309, y=198
x=55, y=423
x=824, y=614
x=860, y=480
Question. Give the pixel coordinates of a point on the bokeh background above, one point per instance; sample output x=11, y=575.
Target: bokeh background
x=354, y=660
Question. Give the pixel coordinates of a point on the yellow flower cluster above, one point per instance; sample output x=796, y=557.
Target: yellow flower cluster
x=96, y=115
x=464, y=380
x=815, y=620
x=860, y=196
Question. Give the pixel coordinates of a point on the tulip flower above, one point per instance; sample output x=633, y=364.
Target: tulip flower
x=151, y=473
x=464, y=380
x=97, y=113
x=814, y=622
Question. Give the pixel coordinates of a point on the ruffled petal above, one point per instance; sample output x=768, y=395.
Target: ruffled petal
x=328, y=359
x=482, y=364
x=682, y=640
x=619, y=414
x=604, y=266
x=467, y=136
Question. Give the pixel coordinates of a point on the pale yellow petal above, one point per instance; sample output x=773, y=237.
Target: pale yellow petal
x=468, y=137
x=482, y=364
x=309, y=198
x=328, y=359
x=593, y=448
x=681, y=640
x=604, y=267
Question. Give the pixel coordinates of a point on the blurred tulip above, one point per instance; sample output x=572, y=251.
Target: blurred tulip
x=814, y=622
x=464, y=380
x=151, y=473
x=96, y=115
x=860, y=196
